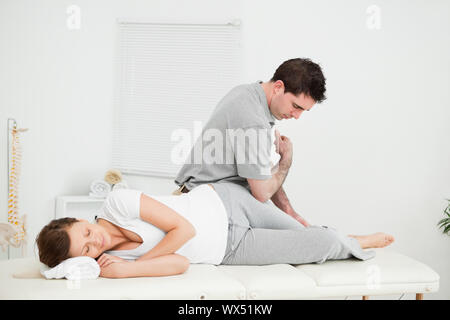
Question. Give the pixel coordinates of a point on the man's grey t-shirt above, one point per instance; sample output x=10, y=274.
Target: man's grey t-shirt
x=235, y=142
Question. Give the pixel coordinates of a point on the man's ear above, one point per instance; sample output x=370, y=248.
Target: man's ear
x=278, y=86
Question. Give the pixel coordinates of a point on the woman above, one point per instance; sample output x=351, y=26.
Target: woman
x=222, y=223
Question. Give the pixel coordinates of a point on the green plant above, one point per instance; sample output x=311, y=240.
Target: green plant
x=445, y=223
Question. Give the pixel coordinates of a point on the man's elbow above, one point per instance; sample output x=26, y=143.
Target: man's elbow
x=261, y=197
x=258, y=190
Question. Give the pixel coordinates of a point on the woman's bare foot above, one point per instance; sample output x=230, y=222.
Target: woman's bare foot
x=376, y=240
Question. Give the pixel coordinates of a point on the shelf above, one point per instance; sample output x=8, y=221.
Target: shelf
x=78, y=206
x=79, y=199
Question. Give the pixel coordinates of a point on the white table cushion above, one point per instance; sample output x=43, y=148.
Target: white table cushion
x=277, y=281
x=21, y=279
x=388, y=273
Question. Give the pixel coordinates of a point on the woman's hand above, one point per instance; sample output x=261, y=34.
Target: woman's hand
x=106, y=259
x=110, y=266
x=114, y=270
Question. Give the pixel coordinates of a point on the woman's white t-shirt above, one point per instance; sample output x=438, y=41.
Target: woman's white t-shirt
x=202, y=207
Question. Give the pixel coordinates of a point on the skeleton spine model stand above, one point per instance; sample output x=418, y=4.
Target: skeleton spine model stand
x=13, y=233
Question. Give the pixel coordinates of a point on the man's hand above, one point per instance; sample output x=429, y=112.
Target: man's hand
x=296, y=216
x=283, y=146
x=301, y=220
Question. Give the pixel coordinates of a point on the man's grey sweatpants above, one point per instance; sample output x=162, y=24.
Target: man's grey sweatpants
x=260, y=233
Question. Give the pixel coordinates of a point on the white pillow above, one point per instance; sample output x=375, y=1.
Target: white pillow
x=78, y=268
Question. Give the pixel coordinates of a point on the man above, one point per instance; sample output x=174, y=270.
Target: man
x=248, y=113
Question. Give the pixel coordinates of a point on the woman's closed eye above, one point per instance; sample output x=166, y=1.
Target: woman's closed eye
x=87, y=247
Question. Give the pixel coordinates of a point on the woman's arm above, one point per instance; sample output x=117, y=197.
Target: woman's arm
x=167, y=265
x=178, y=229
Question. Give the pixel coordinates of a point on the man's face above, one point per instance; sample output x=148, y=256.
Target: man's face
x=286, y=105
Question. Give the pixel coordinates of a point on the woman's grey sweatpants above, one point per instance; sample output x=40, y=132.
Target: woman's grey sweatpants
x=260, y=233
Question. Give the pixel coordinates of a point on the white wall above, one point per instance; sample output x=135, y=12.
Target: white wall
x=373, y=157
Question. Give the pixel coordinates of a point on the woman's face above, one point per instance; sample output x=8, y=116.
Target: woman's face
x=87, y=239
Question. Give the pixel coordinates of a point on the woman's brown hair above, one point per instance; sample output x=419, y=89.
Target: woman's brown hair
x=53, y=241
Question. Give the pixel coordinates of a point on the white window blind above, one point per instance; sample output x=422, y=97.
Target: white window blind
x=169, y=75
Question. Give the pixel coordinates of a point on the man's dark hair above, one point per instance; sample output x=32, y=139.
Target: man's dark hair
x=302, y=76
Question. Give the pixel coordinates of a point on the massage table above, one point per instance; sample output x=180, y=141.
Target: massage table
x=388, y=273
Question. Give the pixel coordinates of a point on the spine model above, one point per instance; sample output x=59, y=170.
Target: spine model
x=18, y=222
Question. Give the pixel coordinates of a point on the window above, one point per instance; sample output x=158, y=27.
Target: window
x=169, y=76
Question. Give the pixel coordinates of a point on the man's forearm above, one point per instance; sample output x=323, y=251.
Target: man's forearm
x=281, y=200
x=263, y=190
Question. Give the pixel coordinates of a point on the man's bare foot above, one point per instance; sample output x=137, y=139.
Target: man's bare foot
x=376, y=240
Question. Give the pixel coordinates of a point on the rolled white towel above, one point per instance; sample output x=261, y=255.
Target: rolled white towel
x=100, y=188
x=78, y=268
